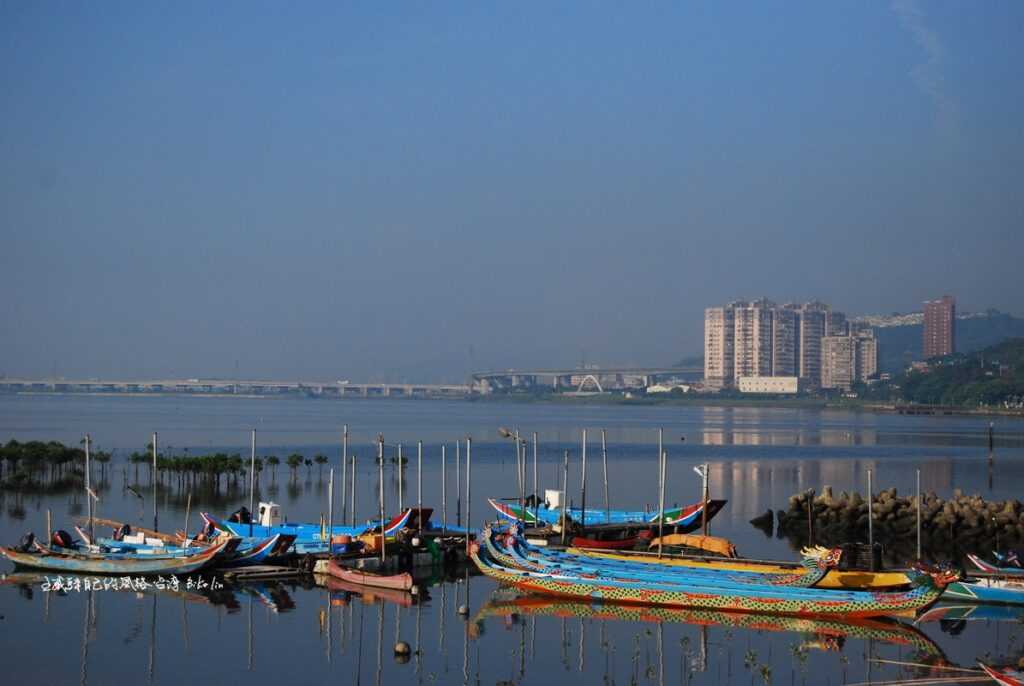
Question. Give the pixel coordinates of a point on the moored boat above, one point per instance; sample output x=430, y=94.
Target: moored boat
x=400, y=582
x=1003, y=591
x=682, y=519
x=707, y=595
x=835, y=578
x=72, y=562
x=1006, y=569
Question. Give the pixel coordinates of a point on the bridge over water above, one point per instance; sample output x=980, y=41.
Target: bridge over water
x=338, y=389
x=599, y=379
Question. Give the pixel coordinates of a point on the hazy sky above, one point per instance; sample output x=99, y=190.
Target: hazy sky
x=411, y=190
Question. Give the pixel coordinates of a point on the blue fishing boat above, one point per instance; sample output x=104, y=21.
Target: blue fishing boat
x=1006, y=591
x=54, y=560
x=250, y=551
x=683, y=519
x=304, y=533
x=1008, y=564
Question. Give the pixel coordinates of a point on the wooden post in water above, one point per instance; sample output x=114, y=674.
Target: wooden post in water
x=252, y=481
x=88, y=488
x=519, y=475
x=810, y=517
x=536, y=493
x=661, y=501
x=49, y=528
x=188, y=513
x=871, y=517
x=380, y=462
x=155, y=522
x=344, y=468
x=419, y=485
x=583, y=487
x=352, y=494
x=458, y=483
x=401, y=495
x=706, y=497
x=919, y=515
x=604, y=462
x=565, y=479
x=330, y=515
x=444, y=495
x=469, y=525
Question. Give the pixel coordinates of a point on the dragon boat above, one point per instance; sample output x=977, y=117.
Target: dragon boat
x=1010, y=566
x=513, y=552
x=1004, y=676
x=707, y=594
x=683, y=519
x=835, y=578
x=1008, y=591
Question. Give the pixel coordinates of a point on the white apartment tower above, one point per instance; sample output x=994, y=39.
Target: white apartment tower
x=761, y=339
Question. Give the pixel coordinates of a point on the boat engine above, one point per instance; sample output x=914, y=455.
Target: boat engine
x=241, y=515
x=26, y=543
x=62, y=539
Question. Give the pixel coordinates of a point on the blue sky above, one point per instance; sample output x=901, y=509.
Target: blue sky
x=354, y=190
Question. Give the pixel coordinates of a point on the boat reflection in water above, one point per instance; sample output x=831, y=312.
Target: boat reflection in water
x=824, y=633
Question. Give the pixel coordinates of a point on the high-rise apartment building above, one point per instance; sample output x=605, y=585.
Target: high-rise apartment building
x=813, y=318
x=785, y=341
x=719, y=337
x=753, y=339
x=848, y=359
x=762, y=339
x=939, y=327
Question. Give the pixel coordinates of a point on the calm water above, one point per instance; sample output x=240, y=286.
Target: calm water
x=303, y=633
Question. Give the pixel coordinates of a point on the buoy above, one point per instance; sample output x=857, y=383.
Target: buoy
x=402, y=648
x=414, y=590
x=416, y=542
x=463, y=610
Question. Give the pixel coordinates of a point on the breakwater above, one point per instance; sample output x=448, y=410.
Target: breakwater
x=959, y=524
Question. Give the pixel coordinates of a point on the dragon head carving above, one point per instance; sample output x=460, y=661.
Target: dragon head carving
x=821, y=557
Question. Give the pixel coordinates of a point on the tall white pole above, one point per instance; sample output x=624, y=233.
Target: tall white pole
x=401, y=473
x=469, y=524
x=380, y=463
x=661, y=502
x=352, y=495
x=583, y=486
x=88, y=487
x=444, y=494
x=536, y=493
x=344, y=468
x=458, y=483
x=155, y=521
x=330, y=512
x=919, y=514
x=604, y=462
x=419, y=485
x=871, y=517
x=252, y=481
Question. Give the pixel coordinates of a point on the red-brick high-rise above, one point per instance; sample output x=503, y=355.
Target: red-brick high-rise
x=939, y=327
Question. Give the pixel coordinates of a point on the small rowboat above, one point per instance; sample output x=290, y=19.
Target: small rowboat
x=1005, y=676
x=836, y=579
x=401, y=582
x=77, y=563
x=344, y=589
x=712, y=544
x=1003, y=591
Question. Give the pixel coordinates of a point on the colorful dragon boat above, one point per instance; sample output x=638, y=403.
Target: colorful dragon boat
x=684, y=519
x=1010, y=566
x=707, y=594
x=515, y=553
x=1009, y=591
x=835, y=578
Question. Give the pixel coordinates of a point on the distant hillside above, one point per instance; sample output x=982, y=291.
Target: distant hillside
x=898, y=346
x=989, y=377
